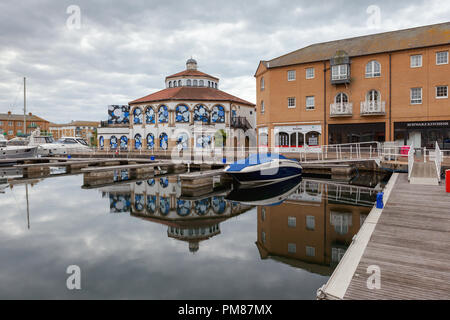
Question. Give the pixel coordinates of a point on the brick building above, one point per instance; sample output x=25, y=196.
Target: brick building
x=84, y=129
x=11, y=124
x=390, y=86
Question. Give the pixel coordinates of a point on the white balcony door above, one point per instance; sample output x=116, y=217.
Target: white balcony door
x=373, y=99
x=341, y=101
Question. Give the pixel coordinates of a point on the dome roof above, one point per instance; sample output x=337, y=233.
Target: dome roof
x=191, y=61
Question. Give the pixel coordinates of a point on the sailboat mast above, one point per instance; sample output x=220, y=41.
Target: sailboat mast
x=24, y=106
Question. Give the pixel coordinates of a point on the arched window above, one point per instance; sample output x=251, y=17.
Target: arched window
x=219, y=205
x=182, y=114
x=151, y=204
x=202, y=206
x=113, y=142
x=203, y=142
x=183, y=141
x=215, y=85
x=195, y=83
x=201, y=84
x=218, y=114
x=101, y=142
x=209, y=84
x=312, y=138
x=149, y=115
x=138, y=142
x=201, y=114
x=163, y=114
x=137, y=115
x=164, y=206
x=123, y=142
x=170, y=84
x=189, y=83
x=163, y=141
x=139, y=202
x=262, y=85
x=179, y=83
x=175, y=84
x=373, y=96
x=341, y=98
x=183, y=207
x=283, y=139
x=150, y=141
x=373, y=69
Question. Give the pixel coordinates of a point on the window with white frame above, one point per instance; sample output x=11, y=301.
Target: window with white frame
x=373, y=69
x=441, y=92
x=291, y=102
x=339, y=72
x=310, y=223
x=201, y=83
x=291, y=75
x=416, y=61
x=292, y=222
x=10, y=132
x=442, y=57
x=310, y=103
x=263, y=214
x=263, y=237
x=309, y=73
x=292, y=248
x=262, y=84
x=310, y=251
x=416, y=95
x=262, y=107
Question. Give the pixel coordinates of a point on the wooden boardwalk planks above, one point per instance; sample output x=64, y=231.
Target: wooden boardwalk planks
x=410, y=244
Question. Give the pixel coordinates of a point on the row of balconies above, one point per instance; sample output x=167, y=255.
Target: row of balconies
x=368, y=108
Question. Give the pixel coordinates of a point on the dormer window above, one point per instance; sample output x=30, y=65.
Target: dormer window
x=202, y=83
x=189, y=83
x=174, y=84
x=195, y=83
x=170, y=84
x=340, y=68
x=179, y=83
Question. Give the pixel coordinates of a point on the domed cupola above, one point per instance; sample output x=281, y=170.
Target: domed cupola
x=191, y=64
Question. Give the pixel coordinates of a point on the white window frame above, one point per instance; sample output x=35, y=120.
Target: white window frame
x=291, y=75
x=372, y=73
x=308, y=74
x=437, y=58
x=262, y=84
x=415, y=101
x=310, y=223
x=310, y=251
x=309, y=106
x=336, y=72
x=446, y=90
x=292, y=248
x=262, y=106
x=412, y=60
x=292, y=99
x=292, y=222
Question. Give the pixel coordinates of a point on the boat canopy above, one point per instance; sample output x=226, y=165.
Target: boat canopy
x=253, y=160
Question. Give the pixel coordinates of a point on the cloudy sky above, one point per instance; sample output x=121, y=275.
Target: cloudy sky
x=123, y=50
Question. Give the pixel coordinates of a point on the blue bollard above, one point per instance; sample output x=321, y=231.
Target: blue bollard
x=69, y=156
x=380, y=204
x=224, y=160
x=152, y=158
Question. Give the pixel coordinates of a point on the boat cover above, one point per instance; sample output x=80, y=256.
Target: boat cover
x=253, y=160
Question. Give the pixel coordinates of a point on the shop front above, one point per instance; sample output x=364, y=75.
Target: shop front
x=356, y=132
x=294, y=138
x=423, y=133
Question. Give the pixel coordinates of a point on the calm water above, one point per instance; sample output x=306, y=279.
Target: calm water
x=139, y=240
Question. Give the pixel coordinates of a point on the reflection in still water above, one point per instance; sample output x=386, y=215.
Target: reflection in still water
x=314, y=226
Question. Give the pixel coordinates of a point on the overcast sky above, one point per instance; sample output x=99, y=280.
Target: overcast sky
x=123, y=50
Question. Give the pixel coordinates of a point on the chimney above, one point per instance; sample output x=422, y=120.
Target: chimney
x=9, y=113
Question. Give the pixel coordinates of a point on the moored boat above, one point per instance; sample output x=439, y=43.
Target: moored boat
x=15, y=152
x=264, y=168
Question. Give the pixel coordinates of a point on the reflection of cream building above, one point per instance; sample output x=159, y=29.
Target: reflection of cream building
x=312, y=229
x=190, y=112
x=158, y=200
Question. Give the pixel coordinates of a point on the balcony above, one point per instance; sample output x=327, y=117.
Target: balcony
x=240, y=123
x=106, y=124
x=373, y=108
x=341, y=110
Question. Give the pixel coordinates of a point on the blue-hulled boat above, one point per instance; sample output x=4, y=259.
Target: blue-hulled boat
x=264, y=168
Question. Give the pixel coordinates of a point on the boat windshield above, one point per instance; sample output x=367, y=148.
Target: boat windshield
x=66, y=141
x=2, y=143
x=82, y=142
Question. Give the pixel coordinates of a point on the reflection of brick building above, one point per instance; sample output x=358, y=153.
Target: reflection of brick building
x=312, y=229
x=84, y=129
x=12, y=124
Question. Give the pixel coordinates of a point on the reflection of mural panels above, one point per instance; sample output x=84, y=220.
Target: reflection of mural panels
x=118, y=114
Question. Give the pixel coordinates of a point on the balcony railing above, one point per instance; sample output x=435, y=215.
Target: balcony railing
x=341, y=109
x=106, y=124
x=373, y=108
x=240, y=123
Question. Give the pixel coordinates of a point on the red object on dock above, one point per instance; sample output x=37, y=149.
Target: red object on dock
x=447, y=181
x=405, y=150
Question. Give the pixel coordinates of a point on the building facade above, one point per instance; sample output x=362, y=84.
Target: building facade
x=191, y=112
x=384, y=87
x=83, y=129
x=11, y=125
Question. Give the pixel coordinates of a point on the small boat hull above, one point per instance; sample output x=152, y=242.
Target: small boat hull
x=275, y=170
x=18, y=152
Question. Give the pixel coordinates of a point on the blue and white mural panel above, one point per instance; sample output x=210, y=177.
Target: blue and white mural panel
x=118, y=114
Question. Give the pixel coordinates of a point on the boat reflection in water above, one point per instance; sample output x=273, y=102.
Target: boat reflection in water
x=187, y=219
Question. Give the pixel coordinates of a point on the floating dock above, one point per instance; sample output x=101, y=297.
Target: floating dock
x=407, y=242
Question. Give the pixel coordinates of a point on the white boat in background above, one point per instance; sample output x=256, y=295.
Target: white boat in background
x=64, y=146
x=16, y=151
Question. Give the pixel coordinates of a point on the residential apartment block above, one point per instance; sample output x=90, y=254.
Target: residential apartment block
x=11, y=124
x=390, y=86
x=84, y=129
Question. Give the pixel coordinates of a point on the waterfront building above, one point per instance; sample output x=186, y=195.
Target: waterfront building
x=191, y=112
x=11, y=125
x=390, y=86
x=84, y=129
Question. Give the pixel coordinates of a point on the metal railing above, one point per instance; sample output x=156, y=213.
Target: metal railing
x=341, y=109
x=342, y=152
x=411, y=159
x=438, y=156
x=373, y=107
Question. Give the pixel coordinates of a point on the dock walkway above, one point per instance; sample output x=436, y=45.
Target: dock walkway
x=409, y=240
